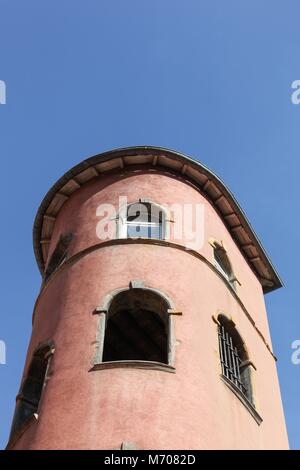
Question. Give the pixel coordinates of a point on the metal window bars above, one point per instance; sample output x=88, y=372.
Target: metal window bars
x=230, y=360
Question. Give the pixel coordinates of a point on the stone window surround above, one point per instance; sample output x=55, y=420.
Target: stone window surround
x=102, y=311
x=121, y=228
x=35, y=416
x=250, y=406
x=233, y=281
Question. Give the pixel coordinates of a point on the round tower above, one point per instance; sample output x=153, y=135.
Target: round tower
x=150, y=329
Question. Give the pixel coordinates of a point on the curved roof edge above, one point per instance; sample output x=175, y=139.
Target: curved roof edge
x=211, y=185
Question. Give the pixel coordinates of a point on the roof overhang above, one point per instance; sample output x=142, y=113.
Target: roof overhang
x=162, y=159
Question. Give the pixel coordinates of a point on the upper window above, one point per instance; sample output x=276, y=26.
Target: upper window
x=137, y=328
x=59, y=255
x=223, y=264
x=234, y=358
x=31, y=389
x=143, y=220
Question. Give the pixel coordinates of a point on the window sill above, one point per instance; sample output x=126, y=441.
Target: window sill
x=150, y=365
x=229, y=283
x=243, y=399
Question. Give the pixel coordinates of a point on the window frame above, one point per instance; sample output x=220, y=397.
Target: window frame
x=123, y=223
x=103, y=312
x=58, y=256
x=22, y=399
x=231, y=362
x=246, y=367
x=223, y=264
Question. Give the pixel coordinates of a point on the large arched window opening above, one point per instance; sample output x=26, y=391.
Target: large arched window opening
x=142, y=220
x=235, y=363
x=137, y=328
x=29, y=396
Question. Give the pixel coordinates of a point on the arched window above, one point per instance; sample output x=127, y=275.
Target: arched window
x=59, y=255
x=223, y=264
x=142, y=220
x=137, y=328
x=234, y=358
x=29, y=396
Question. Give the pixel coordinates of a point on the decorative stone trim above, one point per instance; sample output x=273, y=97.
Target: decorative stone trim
x=215, y=320
x=172, y=311
x=148, y=241
x=220, y=245
x=137, y=285
x=254, y=413
x=121, y=228
x=248, y=363
x=104, y=307
x=149, y=365
x=99, y=310
x=217, y=244
x=126, y=445
x=103, y=310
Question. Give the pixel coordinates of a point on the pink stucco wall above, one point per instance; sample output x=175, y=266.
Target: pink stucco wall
x=191, y=409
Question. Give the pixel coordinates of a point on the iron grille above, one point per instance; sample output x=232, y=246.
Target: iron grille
x=230, y=360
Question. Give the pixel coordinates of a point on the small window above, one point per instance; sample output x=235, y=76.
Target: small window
x=143, y=220
x=234, y=358
x=59, y=255
x=223, y=265
x=30, y=393
x=137, y=328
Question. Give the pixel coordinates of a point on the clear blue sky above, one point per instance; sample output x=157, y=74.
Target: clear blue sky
x=209, y=78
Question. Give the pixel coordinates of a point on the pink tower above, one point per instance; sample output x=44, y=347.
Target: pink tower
x=150, y=329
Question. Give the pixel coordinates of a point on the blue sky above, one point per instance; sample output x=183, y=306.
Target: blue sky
x=209, y=78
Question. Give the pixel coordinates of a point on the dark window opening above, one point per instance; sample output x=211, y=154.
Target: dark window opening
x=30, y=393
x=137, y=328
x=234, y=358
x=59, y=255
x=223, y=265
